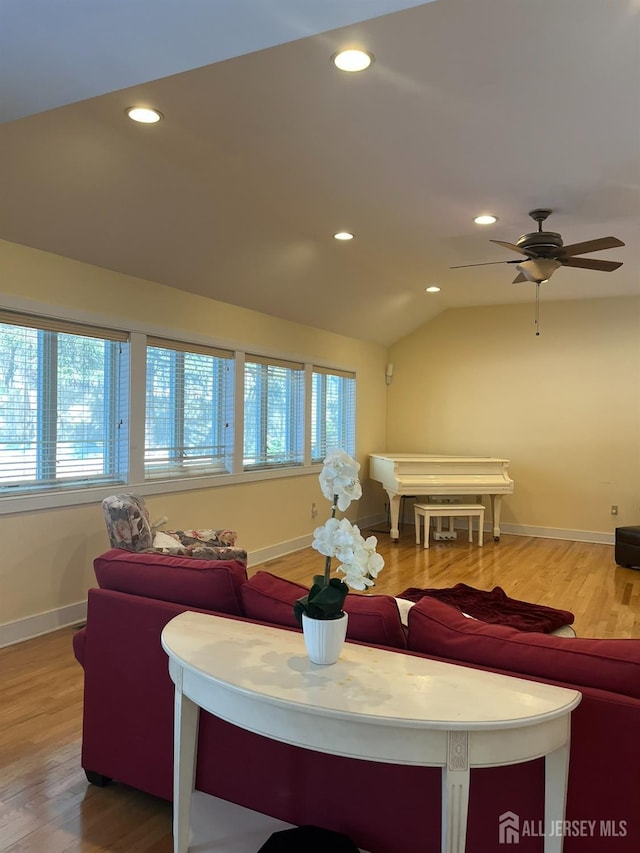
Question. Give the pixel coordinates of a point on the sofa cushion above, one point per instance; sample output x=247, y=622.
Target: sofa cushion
x=208, y=584
x=372, y=618
x=439, y=629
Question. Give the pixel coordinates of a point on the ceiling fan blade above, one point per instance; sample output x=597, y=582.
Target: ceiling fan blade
x=485, y=264
x=519, y=278
x=510, y=246
x=591, y=264
x=591, y=246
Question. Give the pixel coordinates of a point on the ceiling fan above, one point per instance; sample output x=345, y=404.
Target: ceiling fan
x=545, y=253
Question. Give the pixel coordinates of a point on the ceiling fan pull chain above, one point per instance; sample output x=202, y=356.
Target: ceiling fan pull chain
x=537, y=320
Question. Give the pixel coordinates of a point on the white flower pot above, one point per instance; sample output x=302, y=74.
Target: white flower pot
x=324, y=638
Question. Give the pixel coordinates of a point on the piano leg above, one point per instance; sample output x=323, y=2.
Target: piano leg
x=394, y=513
x=496, y=506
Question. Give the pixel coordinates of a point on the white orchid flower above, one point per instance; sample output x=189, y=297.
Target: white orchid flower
x=339, y=478
x=358, y=559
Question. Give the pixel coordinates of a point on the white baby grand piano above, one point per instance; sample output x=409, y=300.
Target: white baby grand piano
x=427, y=474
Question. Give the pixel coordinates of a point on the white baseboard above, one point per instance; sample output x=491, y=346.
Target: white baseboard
x=42, y=623
x=590, y=536
x=262, y=555
x=279, y=550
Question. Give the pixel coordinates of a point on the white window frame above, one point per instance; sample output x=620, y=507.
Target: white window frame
x=61, y=462
x=344, y=434
x=183, y=458
x=134, y=340
x=266, y=376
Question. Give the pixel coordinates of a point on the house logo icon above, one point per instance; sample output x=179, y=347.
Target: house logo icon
x=509, y=828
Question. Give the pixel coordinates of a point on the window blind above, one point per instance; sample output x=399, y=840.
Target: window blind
x=273, y=413
x=53, y=324
x=189, y=409
x=63, y=404
x=333, y=412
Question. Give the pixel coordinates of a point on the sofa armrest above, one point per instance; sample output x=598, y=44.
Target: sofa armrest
x=128, y=694
x=79, y=643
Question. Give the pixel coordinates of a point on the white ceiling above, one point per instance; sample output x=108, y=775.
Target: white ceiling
x=266, y=150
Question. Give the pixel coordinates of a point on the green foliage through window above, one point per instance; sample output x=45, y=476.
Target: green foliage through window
x=62, y=406
x=65, y=408
x=188, y=426
x=273, y=414
x=333, y=410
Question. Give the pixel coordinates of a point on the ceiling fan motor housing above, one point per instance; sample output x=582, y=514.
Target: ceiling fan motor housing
x=543, y=244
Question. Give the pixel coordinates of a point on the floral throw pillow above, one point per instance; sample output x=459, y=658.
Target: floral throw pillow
x=128, y=524
x=207, y=536
x=204, y=544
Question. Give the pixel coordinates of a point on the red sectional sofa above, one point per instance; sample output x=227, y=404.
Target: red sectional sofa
x=128, y=715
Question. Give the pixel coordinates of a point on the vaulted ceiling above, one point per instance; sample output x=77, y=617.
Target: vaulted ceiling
x=266, y=150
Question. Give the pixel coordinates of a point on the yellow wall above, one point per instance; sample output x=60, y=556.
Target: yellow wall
x=564, y=407
x=48, y=554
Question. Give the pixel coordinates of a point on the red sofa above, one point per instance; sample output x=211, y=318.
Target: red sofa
x=128, y=715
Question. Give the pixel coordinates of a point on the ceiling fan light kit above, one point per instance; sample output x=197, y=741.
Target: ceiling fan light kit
x=537, y=270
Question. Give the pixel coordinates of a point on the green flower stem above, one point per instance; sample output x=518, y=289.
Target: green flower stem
x=327, y=570
x=327, y=562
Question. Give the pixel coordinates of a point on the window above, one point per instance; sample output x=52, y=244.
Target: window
x=273, y=413
x=189, y=409
x=63, y=409
x=333, y=412
x=67, y=420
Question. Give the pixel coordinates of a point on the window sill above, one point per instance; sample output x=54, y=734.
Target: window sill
x=12, y=504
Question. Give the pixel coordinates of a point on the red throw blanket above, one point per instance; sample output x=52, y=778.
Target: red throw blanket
x=496, y=606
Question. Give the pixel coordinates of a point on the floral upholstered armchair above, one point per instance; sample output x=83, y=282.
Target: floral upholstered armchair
x=129, y=527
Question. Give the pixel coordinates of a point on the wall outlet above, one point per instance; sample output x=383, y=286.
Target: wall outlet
x=614, y=509
x=314, y=510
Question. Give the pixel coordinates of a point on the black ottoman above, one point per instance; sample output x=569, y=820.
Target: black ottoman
x=628, y=547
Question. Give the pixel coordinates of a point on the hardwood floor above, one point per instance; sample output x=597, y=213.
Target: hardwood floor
x=575, y=576
x=46, y=805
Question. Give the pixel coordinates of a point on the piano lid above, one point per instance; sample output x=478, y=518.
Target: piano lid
x=435, y=457
x=428, y=473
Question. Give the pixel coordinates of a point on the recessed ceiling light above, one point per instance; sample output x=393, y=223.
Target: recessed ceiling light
x=486, y=219
x=343, y=235
x=144, y=115
x=432, y=289
x=352, y=60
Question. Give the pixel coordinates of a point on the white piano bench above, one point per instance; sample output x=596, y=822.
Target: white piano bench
x=451, y=511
